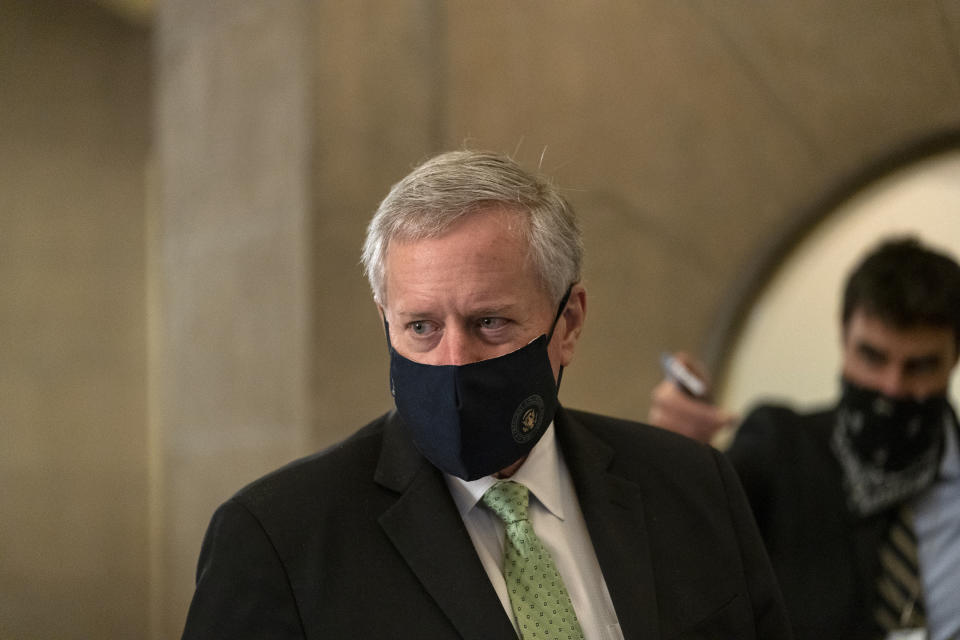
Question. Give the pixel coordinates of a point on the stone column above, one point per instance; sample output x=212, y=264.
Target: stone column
x=228, y=269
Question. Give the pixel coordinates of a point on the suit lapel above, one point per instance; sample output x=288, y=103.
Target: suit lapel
x=426, y=529
x=866, y=537
x=613, y=509
x=866, y=534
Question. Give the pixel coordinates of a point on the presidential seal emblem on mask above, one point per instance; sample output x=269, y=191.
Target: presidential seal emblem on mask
x=527, y=419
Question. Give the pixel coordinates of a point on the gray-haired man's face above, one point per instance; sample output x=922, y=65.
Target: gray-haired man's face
x=472, y=295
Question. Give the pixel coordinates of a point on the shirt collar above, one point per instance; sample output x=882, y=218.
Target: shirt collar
x=540, y=473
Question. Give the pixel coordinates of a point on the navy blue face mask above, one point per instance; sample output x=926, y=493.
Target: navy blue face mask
x=475, y=419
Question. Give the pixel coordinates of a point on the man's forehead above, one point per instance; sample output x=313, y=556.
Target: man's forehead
x=869, y=317
x=870, y=330
x=466, y=306
x=475, y=271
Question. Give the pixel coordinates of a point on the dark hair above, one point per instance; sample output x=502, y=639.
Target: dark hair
x=906, y=285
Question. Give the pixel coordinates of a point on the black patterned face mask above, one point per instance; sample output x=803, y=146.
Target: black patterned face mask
x=889, y=448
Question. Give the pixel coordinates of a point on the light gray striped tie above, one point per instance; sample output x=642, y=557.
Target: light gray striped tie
x=899, y=587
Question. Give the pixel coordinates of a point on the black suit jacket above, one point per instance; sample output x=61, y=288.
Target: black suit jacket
x=824, y=556
x=364, y=541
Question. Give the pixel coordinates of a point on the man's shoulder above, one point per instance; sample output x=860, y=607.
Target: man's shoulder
x=777, y=438
x=665, y=467
x=780, y=422
x=346, y=463
x=625, y=431
x=638, y=444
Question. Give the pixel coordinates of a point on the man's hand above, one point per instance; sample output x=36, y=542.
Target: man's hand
x=675, y=409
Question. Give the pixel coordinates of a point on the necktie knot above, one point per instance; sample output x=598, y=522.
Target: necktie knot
x=509, y=500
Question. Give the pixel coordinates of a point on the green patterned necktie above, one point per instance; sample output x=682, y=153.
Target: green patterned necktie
x=540, y=602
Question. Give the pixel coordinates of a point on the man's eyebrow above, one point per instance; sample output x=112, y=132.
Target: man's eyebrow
x=482, y=311
x=411, y=314
x=924, y=360
x=494, y=310
x=873, y=352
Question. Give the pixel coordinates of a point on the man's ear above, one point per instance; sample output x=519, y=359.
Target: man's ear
x=573, y=316
x=384, y=323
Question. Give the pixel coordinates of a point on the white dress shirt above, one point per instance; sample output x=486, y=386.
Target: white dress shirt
x=558, y=521
x=936, y=522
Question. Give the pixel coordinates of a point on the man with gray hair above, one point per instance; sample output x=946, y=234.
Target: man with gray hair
x=480, y=508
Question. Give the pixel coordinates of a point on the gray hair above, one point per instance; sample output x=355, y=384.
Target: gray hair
x=436, y=194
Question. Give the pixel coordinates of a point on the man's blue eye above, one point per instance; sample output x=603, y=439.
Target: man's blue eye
x=492, y=323
x=418, y=327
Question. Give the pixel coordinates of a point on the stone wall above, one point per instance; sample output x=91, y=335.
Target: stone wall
x=169, y=344
x=75, y=100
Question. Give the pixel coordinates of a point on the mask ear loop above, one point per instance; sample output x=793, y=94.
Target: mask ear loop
x=556, y=319
x=386, y=331
x=386, y=328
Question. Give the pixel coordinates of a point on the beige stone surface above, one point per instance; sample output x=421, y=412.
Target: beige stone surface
x=74, y=108
x=229, y=267
x=160, y=348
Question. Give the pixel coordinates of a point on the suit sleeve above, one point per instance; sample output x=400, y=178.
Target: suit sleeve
x=756, y=457
x=769, y=612
x=242, y=588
